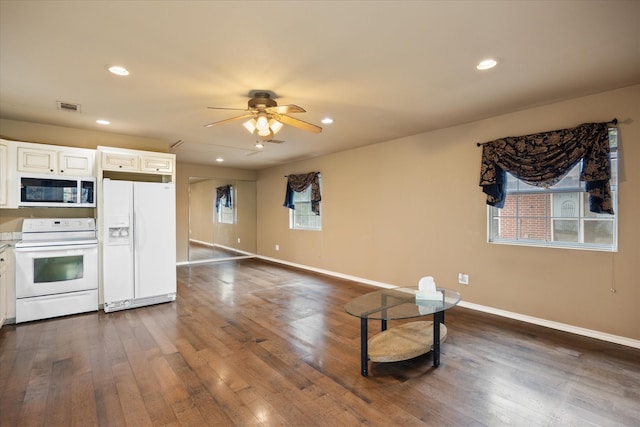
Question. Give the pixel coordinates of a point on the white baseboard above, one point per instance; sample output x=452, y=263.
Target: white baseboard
x=241, y=254
x=201, y=242
x=553, y=325
x=503, y=313
x=210, y=260
x=328, y=272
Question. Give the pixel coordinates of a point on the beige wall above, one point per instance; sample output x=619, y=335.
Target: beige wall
x=399, y=210
x=246, y=205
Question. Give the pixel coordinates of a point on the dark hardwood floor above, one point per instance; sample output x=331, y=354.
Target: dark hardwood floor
x=249, y=343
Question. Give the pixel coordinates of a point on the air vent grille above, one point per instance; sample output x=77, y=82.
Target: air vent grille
x=68, y=106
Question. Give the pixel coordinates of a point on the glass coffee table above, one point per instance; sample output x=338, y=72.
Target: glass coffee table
x=407, y=340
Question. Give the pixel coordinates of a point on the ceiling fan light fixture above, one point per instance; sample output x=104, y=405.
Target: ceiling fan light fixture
x=262, y=123
x=250, y=125
x=265, y=118
x=275, y=126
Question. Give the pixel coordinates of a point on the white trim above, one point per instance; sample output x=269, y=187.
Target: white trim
x=244, y=255
x=553, y=325
x=200, y=242
x=328, y=273
x=206, y=261
x=629, y=342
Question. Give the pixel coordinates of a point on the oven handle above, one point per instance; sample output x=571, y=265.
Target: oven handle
x=54, y=248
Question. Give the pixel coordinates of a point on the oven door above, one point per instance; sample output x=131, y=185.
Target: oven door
x=48, y=270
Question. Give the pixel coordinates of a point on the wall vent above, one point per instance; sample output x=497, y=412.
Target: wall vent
x=68, y=106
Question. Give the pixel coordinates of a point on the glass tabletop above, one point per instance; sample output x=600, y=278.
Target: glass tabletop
x=399, y=303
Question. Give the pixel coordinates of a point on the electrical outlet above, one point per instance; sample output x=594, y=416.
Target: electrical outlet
x=238, y=240
x=463, y=279
x=277, y=247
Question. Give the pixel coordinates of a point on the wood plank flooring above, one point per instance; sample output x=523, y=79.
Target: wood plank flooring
x=250, y=343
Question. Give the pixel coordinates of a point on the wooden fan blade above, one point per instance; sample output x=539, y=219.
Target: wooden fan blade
x=299, y=124
x=225, y=108
x=232, y=119
x=286, y=109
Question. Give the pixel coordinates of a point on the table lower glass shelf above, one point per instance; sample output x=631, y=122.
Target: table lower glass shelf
x=404, y=342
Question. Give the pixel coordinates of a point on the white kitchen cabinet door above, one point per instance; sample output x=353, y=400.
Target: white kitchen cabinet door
x=4, y=174
x=42, y=161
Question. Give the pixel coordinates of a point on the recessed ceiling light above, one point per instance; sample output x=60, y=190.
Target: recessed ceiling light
x=118, y=70
x=487, y=64
x=219, y=159
x=327, y=120
x=103, y=122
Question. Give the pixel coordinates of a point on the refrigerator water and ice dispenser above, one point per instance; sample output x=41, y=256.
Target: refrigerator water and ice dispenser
x=119, y=230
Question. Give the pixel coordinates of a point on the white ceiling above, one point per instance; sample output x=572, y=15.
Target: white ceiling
x=382, y=69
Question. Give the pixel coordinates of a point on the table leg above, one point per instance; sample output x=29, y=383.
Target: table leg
x=437, y=319
x=364, y=350
x=383, y=322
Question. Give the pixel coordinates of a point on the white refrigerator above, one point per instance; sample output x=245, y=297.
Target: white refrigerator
x=138, y=243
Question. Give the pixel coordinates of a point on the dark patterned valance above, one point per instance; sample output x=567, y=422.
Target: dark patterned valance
x=299, y=183
x=542, y=159
x=223, y=192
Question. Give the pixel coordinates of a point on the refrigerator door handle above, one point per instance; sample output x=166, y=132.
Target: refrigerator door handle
x=135, y=241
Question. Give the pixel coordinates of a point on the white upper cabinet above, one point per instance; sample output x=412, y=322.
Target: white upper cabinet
x=4, y=173
x=148, y=162
x=119, y=161
x=46, y=159
x=157, y=163
x=76, y=163
x=36, y=160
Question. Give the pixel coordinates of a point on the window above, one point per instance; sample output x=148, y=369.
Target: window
x=558, y=216
x=302, y=217
x=224, y=214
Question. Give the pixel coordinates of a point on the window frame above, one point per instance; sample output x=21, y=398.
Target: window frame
x=225, y=215
x=299, y=216
x=583, y=216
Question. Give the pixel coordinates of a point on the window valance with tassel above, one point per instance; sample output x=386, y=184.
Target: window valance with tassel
x=223, y=192
x=299, y=183
x=543, y=159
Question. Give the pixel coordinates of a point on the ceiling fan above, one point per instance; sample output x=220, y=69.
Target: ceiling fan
x=265, y=118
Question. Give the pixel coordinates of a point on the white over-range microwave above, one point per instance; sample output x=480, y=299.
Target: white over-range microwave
x=57, y=191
